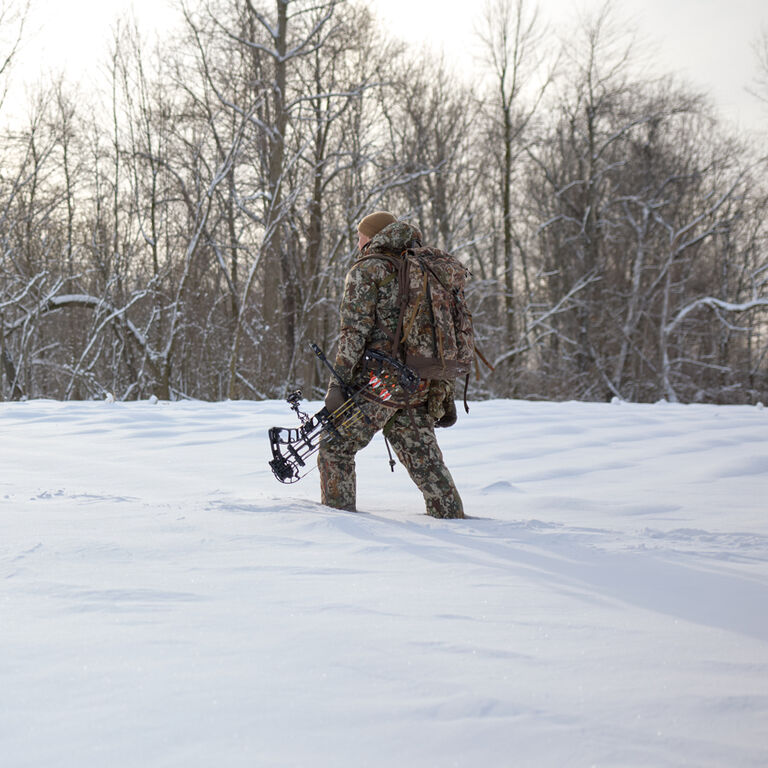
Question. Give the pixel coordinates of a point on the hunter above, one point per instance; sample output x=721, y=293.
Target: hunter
x=369, y=316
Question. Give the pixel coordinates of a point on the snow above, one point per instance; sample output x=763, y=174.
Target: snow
x=166, y=602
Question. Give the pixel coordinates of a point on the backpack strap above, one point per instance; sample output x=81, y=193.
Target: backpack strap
x=415, y=309
x=401, y=267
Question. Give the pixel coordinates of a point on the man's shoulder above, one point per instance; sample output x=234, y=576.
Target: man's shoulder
x=374, y=266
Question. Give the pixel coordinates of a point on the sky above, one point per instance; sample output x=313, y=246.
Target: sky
x=707, y=43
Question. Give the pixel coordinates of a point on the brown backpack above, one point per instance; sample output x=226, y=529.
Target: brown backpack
x=434, y=334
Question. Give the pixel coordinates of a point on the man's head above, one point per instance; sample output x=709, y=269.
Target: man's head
x=372, y=224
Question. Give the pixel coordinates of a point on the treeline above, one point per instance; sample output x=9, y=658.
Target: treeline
x=188, y=234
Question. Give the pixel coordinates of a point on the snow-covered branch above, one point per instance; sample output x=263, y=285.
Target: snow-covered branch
x=713, y=303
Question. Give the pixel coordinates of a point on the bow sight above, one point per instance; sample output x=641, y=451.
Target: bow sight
x=293, y=446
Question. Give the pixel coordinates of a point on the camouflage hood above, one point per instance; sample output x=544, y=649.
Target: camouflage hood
x=395, y=237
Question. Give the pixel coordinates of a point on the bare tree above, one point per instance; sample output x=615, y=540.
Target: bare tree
x=512, y=37
x=640, y=206
x=13, y=18
x=189, y=235
x=760, y=47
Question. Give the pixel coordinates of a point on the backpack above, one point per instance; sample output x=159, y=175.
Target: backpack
x=434, y=334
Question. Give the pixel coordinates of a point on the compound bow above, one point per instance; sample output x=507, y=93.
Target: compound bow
x=293, y=446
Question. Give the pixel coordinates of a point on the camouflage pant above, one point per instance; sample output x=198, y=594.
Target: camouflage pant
x=414, y=444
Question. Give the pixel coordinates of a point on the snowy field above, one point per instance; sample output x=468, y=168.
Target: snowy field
x=166, y=602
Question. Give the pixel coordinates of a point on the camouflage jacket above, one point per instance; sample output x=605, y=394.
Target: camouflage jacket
x=369, y=306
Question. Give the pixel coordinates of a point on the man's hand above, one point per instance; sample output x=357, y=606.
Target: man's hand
x=448, y=419
x=334, y=398
x=440, y=403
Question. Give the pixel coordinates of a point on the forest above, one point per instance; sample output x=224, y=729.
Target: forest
x=185, y=233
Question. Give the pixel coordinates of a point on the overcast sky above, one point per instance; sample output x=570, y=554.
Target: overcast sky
x=706, y=42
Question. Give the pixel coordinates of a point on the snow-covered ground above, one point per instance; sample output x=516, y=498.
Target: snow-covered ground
x=166, y=602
